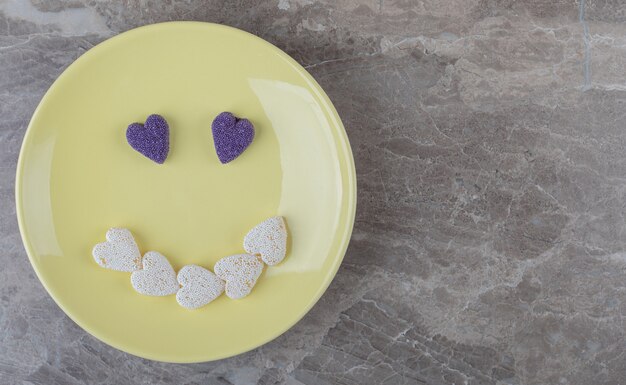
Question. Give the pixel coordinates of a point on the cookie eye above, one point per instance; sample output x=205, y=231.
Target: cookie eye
x=151, y=139
x=231, y=136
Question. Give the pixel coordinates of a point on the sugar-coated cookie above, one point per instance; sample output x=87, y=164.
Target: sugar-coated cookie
x=198, y=287
x=268, y=239
x=151, y=139
x=231, y=136
x=119, y=252
x=240, y=272
x=157, y=278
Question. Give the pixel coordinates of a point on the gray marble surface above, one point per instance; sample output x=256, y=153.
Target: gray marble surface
x=490, y=239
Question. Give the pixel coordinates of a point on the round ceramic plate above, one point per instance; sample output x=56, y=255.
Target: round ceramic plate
x=77, y=177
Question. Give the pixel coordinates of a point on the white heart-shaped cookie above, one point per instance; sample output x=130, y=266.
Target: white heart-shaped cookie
x=198, y=287
x=240, y=272
x=268, y=239
x=119, y=252
x=157, y=277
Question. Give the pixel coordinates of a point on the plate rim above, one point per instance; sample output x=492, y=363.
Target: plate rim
x=341, y=141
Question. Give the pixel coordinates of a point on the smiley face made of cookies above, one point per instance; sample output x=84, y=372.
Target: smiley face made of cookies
x=194, y=286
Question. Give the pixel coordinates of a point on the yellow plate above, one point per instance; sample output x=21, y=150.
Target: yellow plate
x=77, y=177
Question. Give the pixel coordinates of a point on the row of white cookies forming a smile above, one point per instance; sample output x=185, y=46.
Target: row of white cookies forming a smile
x=194, y=285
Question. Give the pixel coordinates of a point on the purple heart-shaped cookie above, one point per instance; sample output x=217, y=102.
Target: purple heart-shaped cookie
x=151, y=139
x=231, y=136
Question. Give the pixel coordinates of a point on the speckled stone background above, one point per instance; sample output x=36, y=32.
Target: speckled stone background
x=489, y=139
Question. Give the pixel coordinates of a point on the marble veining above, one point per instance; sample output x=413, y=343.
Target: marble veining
x=490, y=239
